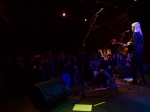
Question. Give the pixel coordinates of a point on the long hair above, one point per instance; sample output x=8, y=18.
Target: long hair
x=137, y=27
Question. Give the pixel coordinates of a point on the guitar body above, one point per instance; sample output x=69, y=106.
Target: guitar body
x=130, y=48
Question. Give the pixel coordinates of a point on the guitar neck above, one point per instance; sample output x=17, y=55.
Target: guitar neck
x=119, y=43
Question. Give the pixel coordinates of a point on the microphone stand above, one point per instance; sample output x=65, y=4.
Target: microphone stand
x=83, y=55
x=122, y=35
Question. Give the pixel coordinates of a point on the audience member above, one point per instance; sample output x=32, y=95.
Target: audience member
x=63, y=69
x=75, y=70
x=95, y=65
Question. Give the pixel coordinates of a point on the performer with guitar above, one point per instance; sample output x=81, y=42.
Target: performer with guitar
x=136, y=43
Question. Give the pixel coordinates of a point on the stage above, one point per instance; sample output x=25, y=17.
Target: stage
x=123, y=98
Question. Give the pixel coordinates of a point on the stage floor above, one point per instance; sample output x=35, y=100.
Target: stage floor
x=123, y=98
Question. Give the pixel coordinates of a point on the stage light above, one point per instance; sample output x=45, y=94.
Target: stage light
x=64, y=14
x=85, y=19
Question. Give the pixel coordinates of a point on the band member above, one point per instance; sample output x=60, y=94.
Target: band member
x=137, y=52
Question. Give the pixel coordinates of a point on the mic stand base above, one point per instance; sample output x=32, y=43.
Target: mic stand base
x=83, y=96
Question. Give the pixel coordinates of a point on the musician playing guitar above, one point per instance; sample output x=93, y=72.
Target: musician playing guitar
x=136, y=43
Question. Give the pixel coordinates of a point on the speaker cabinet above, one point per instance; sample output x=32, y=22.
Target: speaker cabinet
x=48, y=94
x=102, y=77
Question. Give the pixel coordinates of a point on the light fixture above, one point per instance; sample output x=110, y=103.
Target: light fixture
x=85, y=19
x=64, y=14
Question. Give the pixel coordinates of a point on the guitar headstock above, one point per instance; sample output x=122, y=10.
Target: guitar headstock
x=113, y=41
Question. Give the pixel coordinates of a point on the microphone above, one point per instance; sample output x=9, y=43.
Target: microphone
x=99, y=11
x=126, y=32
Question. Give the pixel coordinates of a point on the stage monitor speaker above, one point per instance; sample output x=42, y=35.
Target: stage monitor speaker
x=102, y=78
x=48, y=94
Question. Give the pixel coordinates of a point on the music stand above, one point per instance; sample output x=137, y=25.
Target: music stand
x=83, y=46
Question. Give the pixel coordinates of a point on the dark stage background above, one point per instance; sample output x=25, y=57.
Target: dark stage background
x=39, y=27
